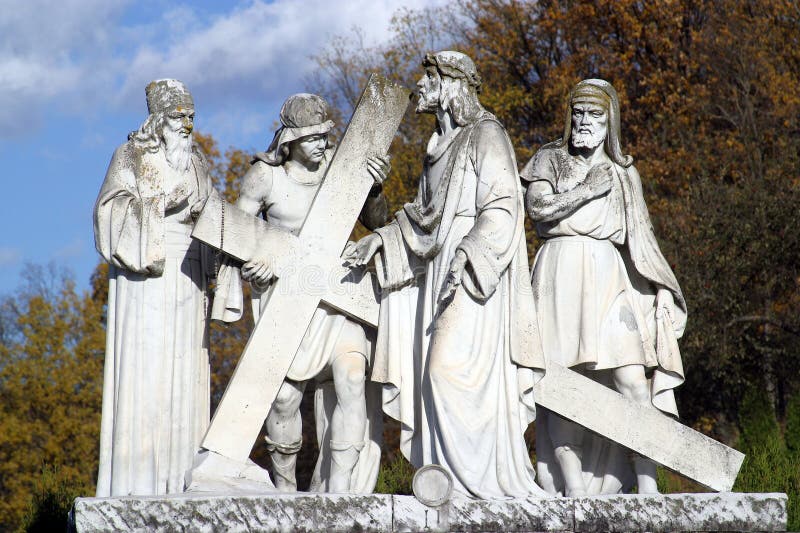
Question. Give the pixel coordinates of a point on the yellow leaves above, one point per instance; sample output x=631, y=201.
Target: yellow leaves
x=50, y=390
x=705, y=424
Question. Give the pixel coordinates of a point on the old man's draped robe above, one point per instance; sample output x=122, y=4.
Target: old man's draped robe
x=156, y=378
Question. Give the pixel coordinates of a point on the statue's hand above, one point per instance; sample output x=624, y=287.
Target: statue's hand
x=599, y=179
x=360, y=253
x=258, y=272
x=452, y=281
x=664, y=303
x=379, y=168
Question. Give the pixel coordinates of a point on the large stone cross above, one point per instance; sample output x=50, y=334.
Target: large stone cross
x=310, y=272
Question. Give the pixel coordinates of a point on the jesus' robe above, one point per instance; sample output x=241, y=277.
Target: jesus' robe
x=460, y=379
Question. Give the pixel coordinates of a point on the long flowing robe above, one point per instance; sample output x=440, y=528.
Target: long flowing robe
x=461, y=380
x=285, y=204
x=595, y=281
x=156, y=377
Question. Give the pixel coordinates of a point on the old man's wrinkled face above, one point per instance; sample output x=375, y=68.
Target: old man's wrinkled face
x=429, y=88
x=589, y=125
x=176, y=133
x=309, y=150
x=180, y=121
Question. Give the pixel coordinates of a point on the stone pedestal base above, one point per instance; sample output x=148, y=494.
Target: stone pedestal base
x=305, y=512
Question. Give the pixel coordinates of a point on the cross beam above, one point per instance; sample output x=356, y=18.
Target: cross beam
x=351, y=291
x=644, y=430
x=566, y=393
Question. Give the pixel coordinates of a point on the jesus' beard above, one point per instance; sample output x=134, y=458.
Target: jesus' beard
x=590, y=140
x=178, y=149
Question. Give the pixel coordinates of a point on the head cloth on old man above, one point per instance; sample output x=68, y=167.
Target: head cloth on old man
x=601, y=93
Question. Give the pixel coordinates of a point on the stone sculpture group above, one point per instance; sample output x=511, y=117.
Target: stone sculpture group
x=463, y=334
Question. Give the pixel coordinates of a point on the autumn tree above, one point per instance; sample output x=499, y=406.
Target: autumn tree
x=52, y=343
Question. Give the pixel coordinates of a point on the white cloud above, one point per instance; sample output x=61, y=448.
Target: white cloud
x=83, y=56
x=259, y=50
x=76, y=248
x=48, y=51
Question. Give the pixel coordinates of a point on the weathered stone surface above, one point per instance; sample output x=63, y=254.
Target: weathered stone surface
x=385, y=513
x=550, y=514
x=200, y=513
x=214, y=473
x=727, y=511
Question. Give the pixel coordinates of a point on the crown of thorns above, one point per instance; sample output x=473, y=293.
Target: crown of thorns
x=454, y=65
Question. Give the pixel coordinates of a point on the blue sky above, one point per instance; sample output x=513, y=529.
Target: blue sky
x=72, y=77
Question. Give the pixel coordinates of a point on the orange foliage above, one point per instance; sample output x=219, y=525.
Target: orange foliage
x=710, y=111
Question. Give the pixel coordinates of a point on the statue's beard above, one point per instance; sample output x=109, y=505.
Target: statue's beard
x=428, y=102
x=588, y=139
x=178, y=149
x=427, y=106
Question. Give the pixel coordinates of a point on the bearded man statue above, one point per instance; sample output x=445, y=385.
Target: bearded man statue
x=607, y=302
x=156, y=377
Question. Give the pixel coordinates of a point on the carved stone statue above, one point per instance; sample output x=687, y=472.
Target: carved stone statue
x=457, y=346
x=156, y=377
x=607, y=302
x=281, y=185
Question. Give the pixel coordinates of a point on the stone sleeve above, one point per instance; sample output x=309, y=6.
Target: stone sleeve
x=490, y=245
x=129, y=228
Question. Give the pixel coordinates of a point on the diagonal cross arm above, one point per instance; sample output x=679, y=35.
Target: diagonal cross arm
x=644, y=430
x=564, y=392
x=311, y=265
x=241, y=235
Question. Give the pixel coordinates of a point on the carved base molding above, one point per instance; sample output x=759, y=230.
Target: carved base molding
x=304, y=512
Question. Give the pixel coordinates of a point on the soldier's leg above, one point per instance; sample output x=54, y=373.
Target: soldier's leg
x=631, y=382
x=567, y=438
x=349, y=418
x=285, y=434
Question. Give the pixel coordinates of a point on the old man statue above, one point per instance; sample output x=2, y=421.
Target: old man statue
x=336, y=351
x=607, y=302
x=156, y=377
x=457, y=345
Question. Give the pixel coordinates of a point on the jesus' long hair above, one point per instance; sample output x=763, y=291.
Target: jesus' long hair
x=461, y=99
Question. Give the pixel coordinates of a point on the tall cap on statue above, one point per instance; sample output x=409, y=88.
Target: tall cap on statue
x=164, y=95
